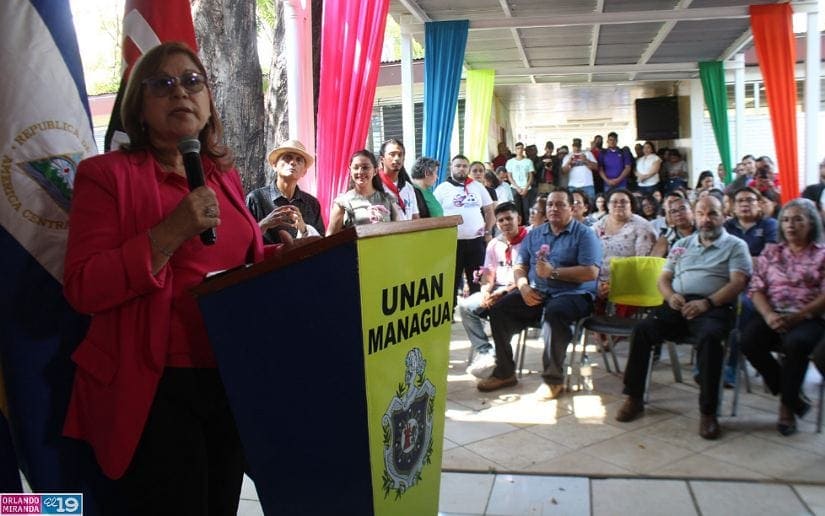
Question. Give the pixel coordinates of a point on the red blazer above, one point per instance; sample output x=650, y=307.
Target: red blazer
x=108, y=274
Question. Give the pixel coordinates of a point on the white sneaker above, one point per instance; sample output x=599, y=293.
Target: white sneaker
x=482, y=366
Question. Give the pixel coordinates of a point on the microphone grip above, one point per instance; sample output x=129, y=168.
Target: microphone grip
x=194, y=176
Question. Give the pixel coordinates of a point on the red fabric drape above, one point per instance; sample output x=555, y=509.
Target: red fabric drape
x=351, y=40
x=776, y=50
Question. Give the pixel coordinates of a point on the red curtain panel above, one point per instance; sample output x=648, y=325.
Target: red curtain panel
x=775, y=48
x=351, y=41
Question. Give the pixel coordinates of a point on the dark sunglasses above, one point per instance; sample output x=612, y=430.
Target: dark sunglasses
x=163, y=85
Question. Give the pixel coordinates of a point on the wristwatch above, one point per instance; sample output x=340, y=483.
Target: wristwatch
x=554, y=275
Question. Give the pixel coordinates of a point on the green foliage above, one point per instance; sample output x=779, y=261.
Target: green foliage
x=392, y=41
x=265, y=9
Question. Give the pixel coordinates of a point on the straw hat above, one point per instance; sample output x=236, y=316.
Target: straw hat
x=293, y=146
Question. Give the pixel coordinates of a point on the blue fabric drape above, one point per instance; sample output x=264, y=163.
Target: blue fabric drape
x=444, y=44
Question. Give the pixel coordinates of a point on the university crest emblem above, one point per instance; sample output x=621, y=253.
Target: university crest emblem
x=408, y=428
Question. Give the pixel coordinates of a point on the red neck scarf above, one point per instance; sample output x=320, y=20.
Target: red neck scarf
x=508, y=253
x=394, y=189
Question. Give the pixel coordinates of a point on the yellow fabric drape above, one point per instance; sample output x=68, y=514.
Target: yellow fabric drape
x=479, y=103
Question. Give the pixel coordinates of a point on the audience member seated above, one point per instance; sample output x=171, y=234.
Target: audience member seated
x=496, y=279
x=538, y=213
x=756, y=230
x=702, y=277
x=581, y=207
x=424, y=175
x=816, y=192
x=681, y=225
x=365, y=202
x=787, y=291
x=282, y=205
x=622, y=233
x=600, y=209
x=677, y=171
x=652, y=212
x=503, y=191
x=555, y=273
x=770, y=204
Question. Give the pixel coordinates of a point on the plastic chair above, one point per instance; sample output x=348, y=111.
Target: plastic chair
x=633, y=282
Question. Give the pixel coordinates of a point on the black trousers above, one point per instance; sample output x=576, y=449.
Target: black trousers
x=189, y=460
x=469, y=257
x=511, y=314
x=710, y=329
x=758, y=340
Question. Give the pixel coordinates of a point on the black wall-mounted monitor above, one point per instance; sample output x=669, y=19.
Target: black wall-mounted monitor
x=657, y=118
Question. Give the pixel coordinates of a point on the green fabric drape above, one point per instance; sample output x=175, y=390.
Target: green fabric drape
x=712, y=74
x=479, y=95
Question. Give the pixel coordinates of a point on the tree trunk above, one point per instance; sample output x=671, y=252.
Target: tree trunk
x=277, y=112
x=226, y=34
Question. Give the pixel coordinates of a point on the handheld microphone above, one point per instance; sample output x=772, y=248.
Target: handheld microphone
x=190, y=148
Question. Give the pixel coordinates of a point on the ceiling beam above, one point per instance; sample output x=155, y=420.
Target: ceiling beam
x=663, y=33
x=516, y=38
x=738, y=44
x=599, y=69
x=594, y=38
x=416, y=10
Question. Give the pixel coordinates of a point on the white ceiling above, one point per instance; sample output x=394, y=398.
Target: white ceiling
x=582, y=63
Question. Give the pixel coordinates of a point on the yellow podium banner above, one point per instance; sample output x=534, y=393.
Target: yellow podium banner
x=406, y=285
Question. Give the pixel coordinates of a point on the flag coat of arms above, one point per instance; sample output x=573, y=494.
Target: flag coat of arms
x=46, y=129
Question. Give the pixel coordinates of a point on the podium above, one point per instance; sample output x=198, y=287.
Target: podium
x=334, y=357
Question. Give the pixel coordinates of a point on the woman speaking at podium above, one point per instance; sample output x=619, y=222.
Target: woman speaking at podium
x=147, y=395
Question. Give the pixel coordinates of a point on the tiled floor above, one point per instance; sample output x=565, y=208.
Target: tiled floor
x=509, y=453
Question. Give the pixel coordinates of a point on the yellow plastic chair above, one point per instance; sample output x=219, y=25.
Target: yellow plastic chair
x=633, y=282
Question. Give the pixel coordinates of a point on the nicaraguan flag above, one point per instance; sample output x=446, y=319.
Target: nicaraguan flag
x=46, y=127
x=46, y=131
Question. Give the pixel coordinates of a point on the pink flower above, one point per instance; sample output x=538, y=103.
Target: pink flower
x=543, y=252
x=378, y=212
x=676, y=253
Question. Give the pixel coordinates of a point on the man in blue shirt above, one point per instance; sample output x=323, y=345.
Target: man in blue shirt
x=555, y=274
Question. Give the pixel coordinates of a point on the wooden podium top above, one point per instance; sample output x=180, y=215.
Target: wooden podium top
x=302, y=251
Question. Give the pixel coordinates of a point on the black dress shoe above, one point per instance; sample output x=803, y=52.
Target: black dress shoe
x=786, y=425
x=786, y=428
x=709, y=427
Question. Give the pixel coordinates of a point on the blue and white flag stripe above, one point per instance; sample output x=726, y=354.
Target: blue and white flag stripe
x=47, y=127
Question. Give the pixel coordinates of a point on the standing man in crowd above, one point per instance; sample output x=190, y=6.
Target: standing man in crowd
x=496, y=279
x=520, y=172
x=555, y=274
x=395, y=178
x=614, y=164
x=460, y=195
x=503, y=155
x=578, y=167
x=701, y=280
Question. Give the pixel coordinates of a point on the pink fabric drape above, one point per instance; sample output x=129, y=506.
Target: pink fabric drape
x=351, y=41
x=776, y=50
